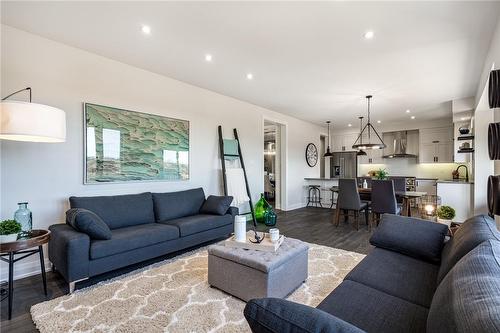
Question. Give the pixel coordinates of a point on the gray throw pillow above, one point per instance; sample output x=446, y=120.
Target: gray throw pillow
x=88, y=222
x=468, y=298
x=216, y=205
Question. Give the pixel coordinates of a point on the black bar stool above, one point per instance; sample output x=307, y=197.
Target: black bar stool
x=333, y=190
x=314, y=196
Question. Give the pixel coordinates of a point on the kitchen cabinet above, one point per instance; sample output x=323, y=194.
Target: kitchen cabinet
x=373, y=156
x=426, y=185
x=458, y=195
x=436, y=145
x=344, y=142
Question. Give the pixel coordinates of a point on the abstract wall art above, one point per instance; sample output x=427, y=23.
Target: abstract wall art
x=122, y=146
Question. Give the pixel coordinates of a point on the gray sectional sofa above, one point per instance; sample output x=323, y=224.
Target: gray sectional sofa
x=410, y=282
x=142, y=226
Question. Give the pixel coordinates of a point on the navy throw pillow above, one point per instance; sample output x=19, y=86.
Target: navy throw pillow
x=88, y=222
x=414, y=237
x=216, y=205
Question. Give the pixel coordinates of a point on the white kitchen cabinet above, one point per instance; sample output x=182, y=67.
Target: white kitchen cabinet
x=373, y=156
x=426, y=185
x=344, y=142
x=459, y=196
x=436, y=145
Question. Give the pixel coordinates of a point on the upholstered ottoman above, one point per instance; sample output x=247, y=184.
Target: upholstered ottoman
x=249, y=274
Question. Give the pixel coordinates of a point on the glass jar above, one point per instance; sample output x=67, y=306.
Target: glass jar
x=24, y=217
x=270, y=218
x=260, y=208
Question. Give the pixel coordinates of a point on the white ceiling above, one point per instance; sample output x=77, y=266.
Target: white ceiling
x=309, y=59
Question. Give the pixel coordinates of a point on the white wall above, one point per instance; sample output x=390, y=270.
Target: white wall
x=45, y=175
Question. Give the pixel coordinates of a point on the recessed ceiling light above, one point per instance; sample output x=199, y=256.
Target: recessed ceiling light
x=249, y=76
x=349, y=125
x=379, y=121
x=412, y=117
x=369, y=34
x=463, y=118
x=146, y=29
x=208, y=57
x=408, y=111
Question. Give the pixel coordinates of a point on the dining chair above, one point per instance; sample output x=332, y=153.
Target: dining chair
x=399, y=186
x=349, y=200
x=383, y=199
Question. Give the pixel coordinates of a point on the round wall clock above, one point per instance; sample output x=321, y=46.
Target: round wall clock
x=311, y=154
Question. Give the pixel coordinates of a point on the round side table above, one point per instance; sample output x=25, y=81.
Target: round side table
x=34, y=238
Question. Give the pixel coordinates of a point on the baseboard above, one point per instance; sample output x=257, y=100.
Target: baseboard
x=295, y=206
x=24, y=268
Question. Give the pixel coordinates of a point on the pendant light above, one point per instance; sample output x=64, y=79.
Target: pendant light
x=361, y=152
x=377, y=144
x=328, y=152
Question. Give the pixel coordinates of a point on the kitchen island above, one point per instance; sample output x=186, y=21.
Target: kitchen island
x=325, y=184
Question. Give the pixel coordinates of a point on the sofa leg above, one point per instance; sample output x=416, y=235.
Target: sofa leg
x=72, y=285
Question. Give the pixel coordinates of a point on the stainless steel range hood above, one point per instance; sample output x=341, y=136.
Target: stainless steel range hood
x=399, y=146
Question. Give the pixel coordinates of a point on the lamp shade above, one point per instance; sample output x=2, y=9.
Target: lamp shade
x=23, y=121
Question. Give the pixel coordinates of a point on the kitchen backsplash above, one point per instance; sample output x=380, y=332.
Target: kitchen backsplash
x=408, y=167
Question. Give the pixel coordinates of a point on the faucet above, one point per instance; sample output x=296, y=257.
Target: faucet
x=466, y=171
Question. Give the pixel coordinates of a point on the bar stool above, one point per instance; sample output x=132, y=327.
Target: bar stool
x=314, y=196
x=333, y=190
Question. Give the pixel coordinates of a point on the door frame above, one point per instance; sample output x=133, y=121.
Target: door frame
x=283, y=151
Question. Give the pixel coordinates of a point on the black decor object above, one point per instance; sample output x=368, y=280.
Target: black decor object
x=494, y=89
x=494, y=195
x=494, y=141
x=311, y=155
x=358, y=144
x=328, y=152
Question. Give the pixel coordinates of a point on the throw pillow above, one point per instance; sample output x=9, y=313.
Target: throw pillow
x=216, y=205
x=88, y=222
x=416, y=238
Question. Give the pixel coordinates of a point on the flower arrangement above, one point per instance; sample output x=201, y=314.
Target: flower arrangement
x=9, y=230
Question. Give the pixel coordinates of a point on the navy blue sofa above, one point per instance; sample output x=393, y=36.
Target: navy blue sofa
x=410, y=282
x=143, y=226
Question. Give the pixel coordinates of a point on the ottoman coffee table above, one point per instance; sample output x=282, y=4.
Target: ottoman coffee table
x=249, y=274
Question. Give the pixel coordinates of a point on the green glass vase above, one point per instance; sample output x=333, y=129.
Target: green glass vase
x=260, y=208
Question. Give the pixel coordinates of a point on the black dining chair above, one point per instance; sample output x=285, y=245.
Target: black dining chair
x=349, y=200
x=383, y=199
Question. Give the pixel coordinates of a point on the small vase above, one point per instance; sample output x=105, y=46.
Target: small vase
x=270, y=218
x=24, y=217
x=260, y=208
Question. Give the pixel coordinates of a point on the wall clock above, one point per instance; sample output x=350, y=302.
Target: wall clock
x=311, y=154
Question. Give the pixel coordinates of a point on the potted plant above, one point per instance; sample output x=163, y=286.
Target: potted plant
x=9, y=230
x=445, y=215
x=381, y=174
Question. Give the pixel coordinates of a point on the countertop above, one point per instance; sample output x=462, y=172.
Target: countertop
x=320, y=178
x=454, y=181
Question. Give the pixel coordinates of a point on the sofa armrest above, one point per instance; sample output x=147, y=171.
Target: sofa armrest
x=69, y=252
x=275, y=315
x=233, y=211
x=414, y=237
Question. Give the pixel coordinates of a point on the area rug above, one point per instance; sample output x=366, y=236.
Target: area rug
x=174, y=296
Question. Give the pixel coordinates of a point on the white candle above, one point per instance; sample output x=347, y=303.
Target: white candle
x=274, y=233
x=429, y=209
x=240, y=228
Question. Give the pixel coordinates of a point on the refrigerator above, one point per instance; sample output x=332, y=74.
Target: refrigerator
x=344, y=165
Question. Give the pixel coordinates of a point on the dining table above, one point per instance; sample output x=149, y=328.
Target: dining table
x=407, y=197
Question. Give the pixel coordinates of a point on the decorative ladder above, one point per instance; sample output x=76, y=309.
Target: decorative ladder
x=223, y=157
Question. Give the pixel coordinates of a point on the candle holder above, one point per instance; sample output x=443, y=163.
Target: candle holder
x=428, y=205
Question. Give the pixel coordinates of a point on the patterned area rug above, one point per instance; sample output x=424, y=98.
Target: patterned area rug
x=174, y=296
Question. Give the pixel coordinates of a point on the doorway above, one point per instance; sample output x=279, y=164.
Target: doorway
x=273, y=164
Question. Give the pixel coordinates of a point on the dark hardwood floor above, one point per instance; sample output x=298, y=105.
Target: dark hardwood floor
x=313, y=225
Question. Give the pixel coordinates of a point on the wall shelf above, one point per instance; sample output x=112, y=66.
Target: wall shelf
x=465, y=151
x=465, y=137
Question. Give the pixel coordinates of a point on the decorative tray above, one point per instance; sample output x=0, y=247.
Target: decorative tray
x=266, y=245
